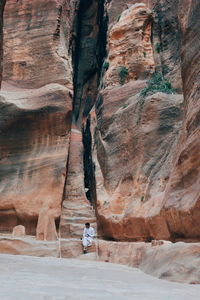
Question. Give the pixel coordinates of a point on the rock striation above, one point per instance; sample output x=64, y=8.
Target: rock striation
x=130, y=37
x=35, y=117
x=147, y=161
x=2, y=4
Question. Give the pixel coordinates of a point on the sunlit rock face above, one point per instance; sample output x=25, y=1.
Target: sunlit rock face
x=36, y=101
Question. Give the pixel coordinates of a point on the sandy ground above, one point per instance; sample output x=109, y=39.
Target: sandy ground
x=36, y=278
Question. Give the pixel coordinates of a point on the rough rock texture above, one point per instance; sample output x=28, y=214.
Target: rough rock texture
x=147, y=176
x=136, y=172
x=76, y=209
x=28, y=245
x=39, y=53
x=19, y=231
x=136, y=139
x=2, y=4
x=87, y=54
x=175, y=262
x=35, y=117
x=130, y=37
x=178, y=262
x=183, y=192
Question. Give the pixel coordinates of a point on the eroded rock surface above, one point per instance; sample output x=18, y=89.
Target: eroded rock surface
x=183, y=193
x=130, y=37
x=2, y=4
x=175, y=262
x=35, y=116
x=148, y=156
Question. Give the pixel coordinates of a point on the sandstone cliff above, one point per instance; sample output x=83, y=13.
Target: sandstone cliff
x=100, y=112
x=35, y=116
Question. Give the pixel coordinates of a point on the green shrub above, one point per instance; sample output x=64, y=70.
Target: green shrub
x=105, y=65
x=123, y=73
x=158, y=47
x=118, y=18
x=124, y=106
x=157, y=83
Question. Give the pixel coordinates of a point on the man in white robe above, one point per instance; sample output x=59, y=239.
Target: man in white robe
x=88, y=237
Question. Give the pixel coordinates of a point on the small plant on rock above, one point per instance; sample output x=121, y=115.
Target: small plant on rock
x=123, y=73
x=118, y=18
x=158, y=48
x=157, y=83
x=105, y=65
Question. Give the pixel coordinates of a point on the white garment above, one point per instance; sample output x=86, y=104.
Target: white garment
x=88, y=235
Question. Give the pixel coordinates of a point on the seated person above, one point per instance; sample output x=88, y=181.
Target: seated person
x=88, y=236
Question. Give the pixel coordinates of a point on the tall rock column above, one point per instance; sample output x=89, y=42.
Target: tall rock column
x=88, y=42
x=138, y=124
x=183, y=193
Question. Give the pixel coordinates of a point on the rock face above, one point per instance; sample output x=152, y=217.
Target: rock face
x=126, y=43
x=39, y=55
x=183, y=193
x=35, y=117
x=175, y=262
x=87, y=53
x=135, y=175
x=2, y=4
x=148, y=180
x=19, y=231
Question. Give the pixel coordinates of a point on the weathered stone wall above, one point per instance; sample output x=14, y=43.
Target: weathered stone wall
x=183, y=193
x=2, y=4
x=36, y=104
x=147, y=173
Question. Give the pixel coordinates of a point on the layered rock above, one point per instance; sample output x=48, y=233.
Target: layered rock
x=175, y=262
x=183, y=193
x=88, y=51
x=147, y=178
x=39, y=54
x=35, y=116
x=135, y=147
x=130, y=37
x=2, y=4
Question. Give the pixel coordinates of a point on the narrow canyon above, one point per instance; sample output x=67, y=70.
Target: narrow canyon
x=100, y=123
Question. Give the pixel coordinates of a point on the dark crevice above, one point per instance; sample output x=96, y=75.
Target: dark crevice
x=88, y=53
x=89, y=167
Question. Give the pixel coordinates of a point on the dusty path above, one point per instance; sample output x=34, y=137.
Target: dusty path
x=34, y=278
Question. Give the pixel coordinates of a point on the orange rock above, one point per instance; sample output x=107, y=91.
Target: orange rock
x=46, y=229
x=19, y=231
x=36, y=100
x=130, y=48
x=175, y=262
